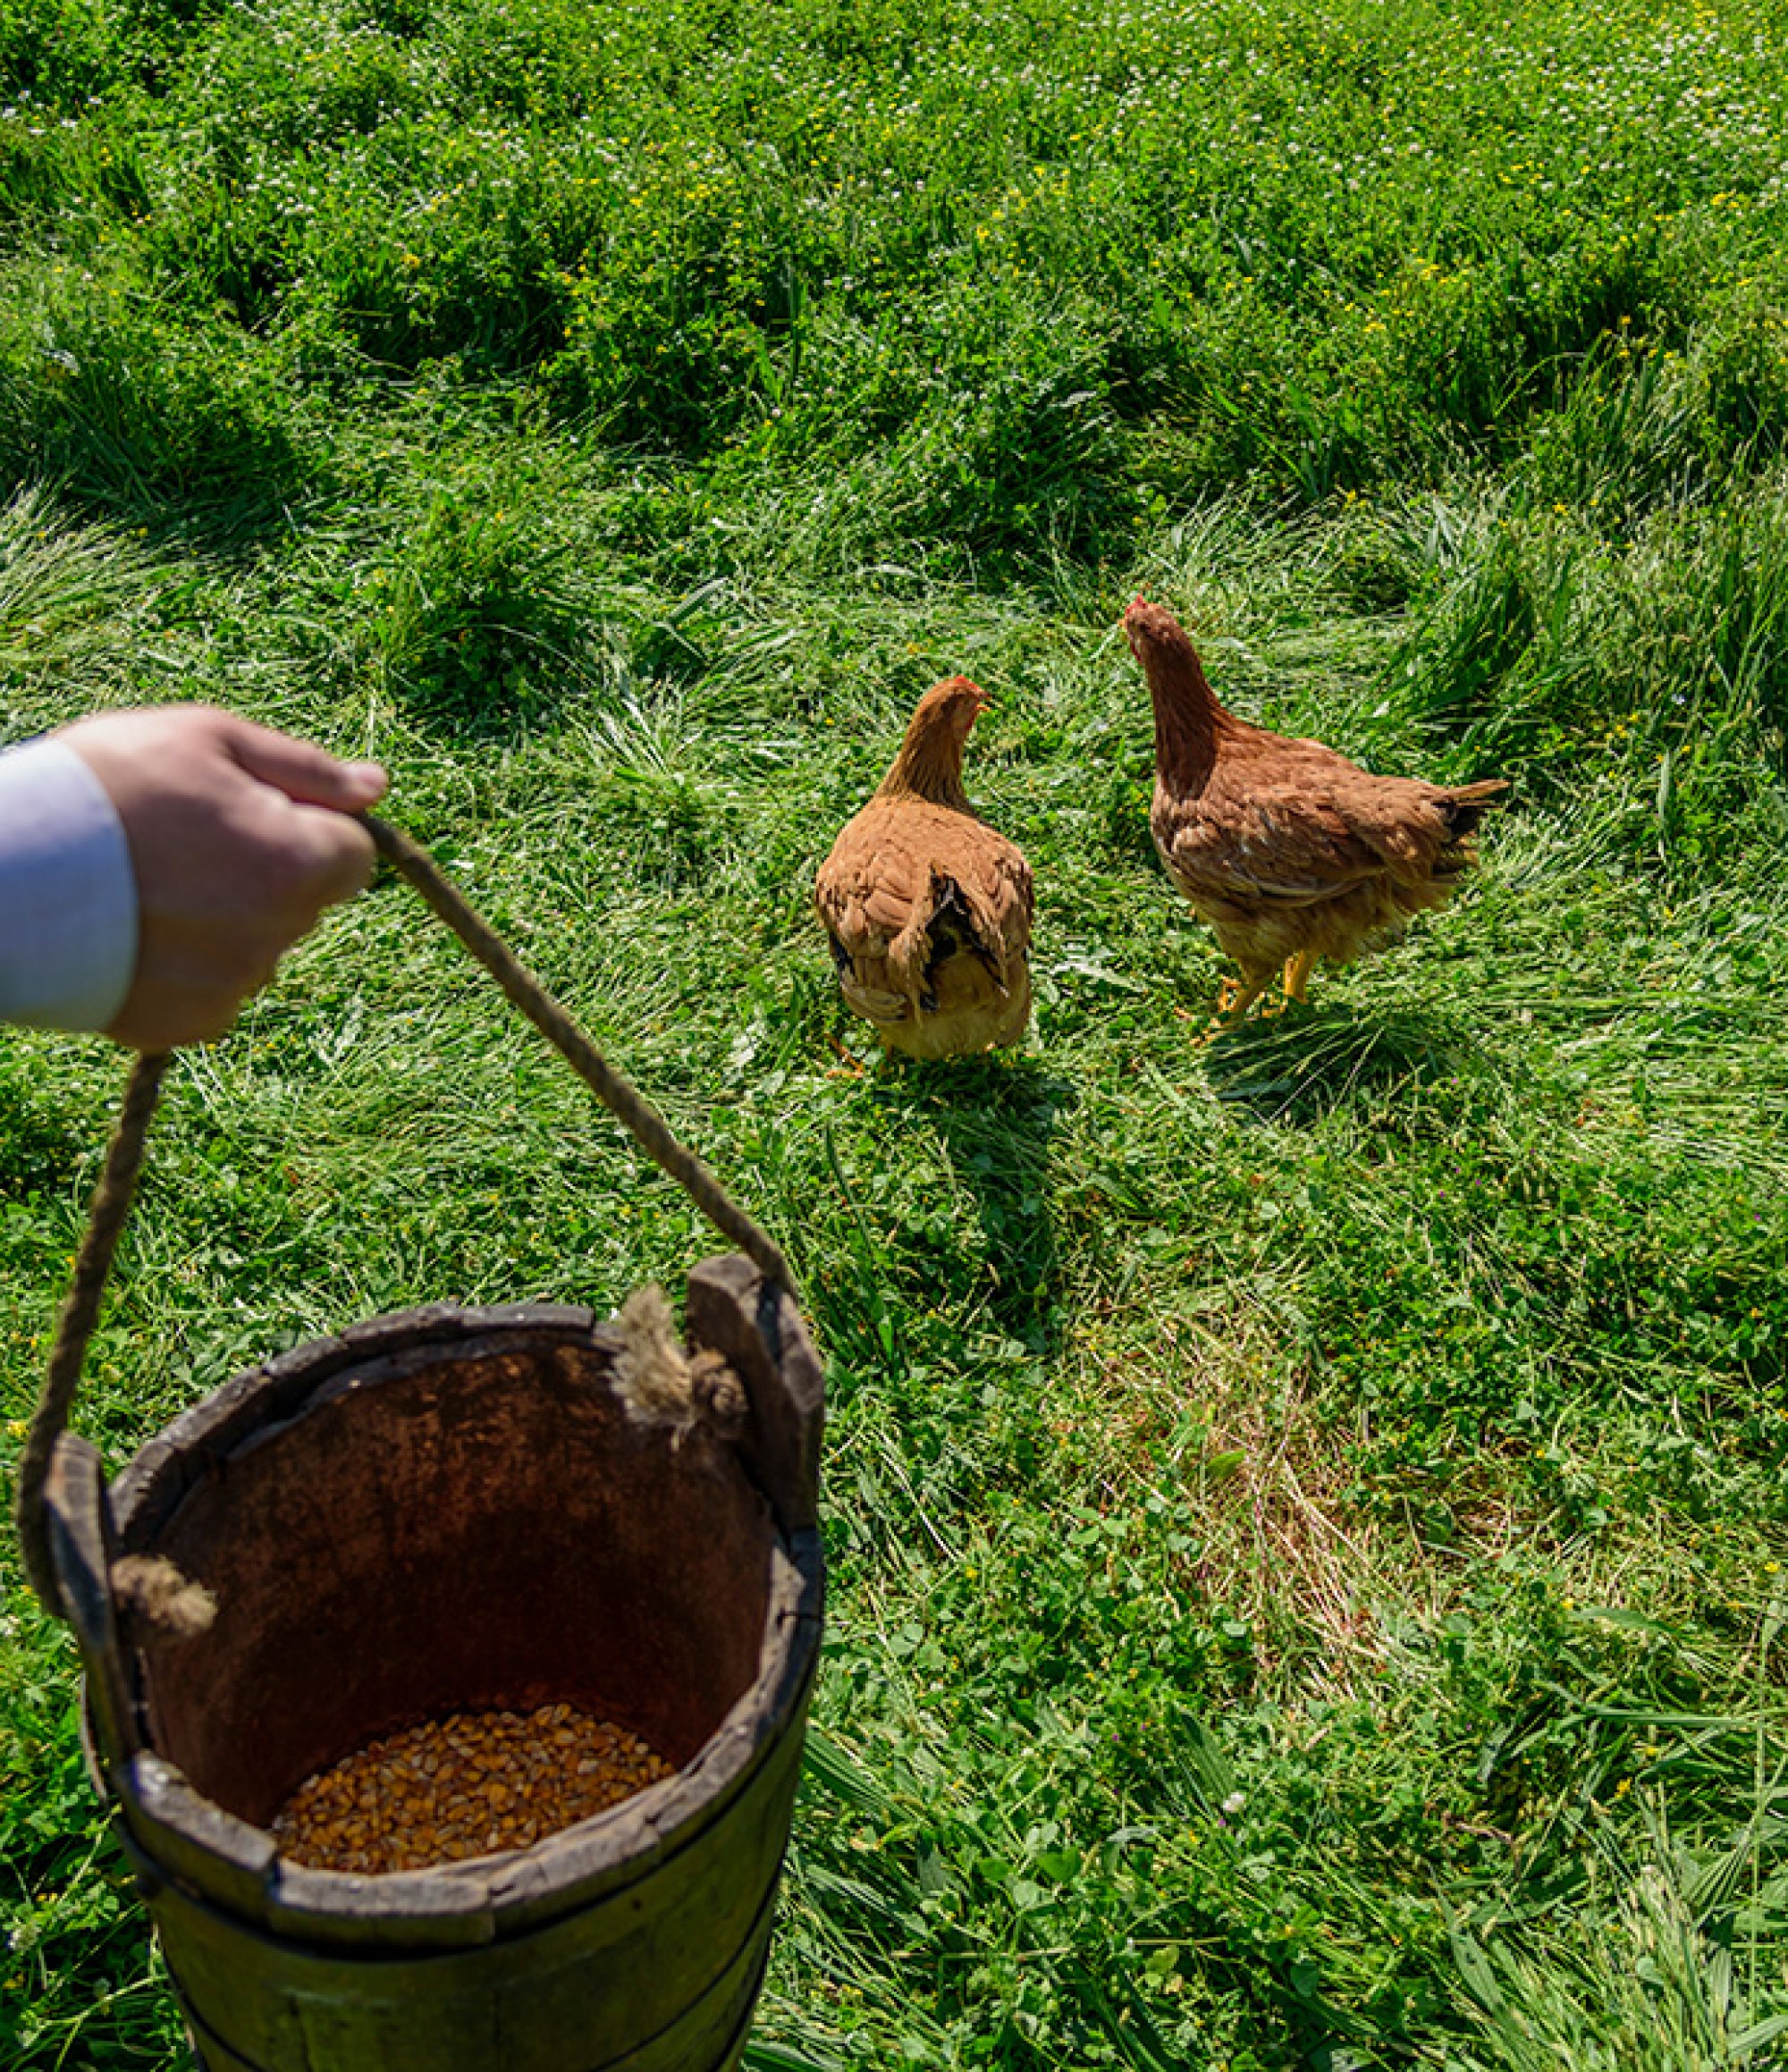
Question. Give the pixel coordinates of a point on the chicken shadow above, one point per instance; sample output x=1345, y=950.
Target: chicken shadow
x=996, y=1116
x=1305, y=1064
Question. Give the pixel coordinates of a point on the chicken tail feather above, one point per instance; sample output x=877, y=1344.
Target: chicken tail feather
x=1463, y=805
x=956, y=925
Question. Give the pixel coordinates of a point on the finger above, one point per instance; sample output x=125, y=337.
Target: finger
x=339, y=857
x=302, y=769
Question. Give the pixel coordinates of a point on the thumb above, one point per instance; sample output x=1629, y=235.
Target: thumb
x=302, y=769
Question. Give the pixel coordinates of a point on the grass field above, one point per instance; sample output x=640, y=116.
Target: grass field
x=1306, y=1514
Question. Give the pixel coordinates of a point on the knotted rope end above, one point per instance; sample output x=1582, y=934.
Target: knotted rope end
x=658, y=1384
x=155, y=1602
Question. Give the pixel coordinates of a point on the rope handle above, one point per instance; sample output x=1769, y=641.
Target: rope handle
x=125, y=1161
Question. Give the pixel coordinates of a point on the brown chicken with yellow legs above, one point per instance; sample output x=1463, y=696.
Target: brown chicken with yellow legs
x=929, y=909
x=1291, y=852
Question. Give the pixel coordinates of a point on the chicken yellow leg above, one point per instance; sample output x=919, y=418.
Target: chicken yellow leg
x=1297, y=973
x=1296, y=977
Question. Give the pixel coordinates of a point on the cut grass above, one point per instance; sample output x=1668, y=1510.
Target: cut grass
x=1306, y=1516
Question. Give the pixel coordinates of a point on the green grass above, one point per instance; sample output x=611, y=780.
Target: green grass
x=1305, y=1515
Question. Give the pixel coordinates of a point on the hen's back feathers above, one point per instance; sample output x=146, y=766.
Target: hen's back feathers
x=927, y=907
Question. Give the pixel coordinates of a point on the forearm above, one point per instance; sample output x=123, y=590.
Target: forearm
x=68, y=892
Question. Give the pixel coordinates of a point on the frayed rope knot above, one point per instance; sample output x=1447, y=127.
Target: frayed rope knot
x=660, y=1383
x=156, y=1603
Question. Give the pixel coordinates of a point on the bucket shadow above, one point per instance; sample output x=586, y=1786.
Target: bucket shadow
x=1307, y=1063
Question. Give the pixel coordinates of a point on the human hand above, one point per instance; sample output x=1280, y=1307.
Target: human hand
x=240, y=837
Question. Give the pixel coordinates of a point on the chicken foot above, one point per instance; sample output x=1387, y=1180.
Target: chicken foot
x=1233, y=998
x=1294, y=985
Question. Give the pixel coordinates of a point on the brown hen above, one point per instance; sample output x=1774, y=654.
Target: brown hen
x=929, y=909
x=1289, y=851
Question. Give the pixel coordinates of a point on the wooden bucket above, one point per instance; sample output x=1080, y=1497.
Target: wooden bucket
x=445, y=1511
x=452, y=1511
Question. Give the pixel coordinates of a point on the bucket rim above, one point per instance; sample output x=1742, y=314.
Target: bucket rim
x=177, y=1834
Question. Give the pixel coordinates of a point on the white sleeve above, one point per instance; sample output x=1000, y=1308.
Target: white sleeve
x=68, y=892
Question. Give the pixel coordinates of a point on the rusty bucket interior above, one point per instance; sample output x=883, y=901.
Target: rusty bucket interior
x=450, y=1510
x=447, y=1529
